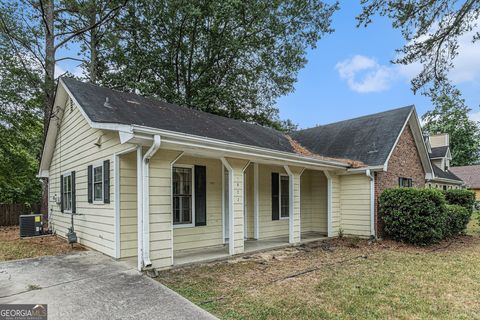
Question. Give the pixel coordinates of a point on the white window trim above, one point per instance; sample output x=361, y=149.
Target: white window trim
x=67, y=174
x=280, y=196
x=185, y=225
x=102, y=201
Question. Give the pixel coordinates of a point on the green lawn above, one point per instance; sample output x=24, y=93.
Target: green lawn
x=354, y=279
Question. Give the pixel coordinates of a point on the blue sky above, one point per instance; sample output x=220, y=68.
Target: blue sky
x=349, y=74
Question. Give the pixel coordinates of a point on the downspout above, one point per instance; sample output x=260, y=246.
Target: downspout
x=372, y=202
x=146, y=200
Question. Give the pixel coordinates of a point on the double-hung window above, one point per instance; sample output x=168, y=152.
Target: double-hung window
x=67, y=192
x=405, y=182
x=183, y=213
x=98, y=183
x=284, y=197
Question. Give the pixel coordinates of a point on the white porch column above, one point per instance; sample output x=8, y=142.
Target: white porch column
x=294, y=174
x=236, y=168
x=329, y=203
x=256, y=208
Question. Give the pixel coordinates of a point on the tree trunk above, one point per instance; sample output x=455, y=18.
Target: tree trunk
x=49, y=85
x=93, y=46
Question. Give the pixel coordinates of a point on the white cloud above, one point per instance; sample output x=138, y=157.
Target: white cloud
x=475, y=116
x=364, y=74
x=76, y=71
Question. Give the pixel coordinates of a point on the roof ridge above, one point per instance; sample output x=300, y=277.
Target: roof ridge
x=412, y=106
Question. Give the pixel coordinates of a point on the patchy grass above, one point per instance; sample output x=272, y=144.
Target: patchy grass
x=343, y=279
x=13, y=248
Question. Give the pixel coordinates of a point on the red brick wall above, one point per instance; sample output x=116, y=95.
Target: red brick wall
x=404, y=162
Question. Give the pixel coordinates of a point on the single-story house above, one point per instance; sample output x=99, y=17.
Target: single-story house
x=471, y=176
x=162, y=184
x=438, y=147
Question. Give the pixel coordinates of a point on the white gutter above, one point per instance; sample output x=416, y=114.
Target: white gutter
x=372, y=201
x=146, y=199
x=224, y=146
x=139, y=210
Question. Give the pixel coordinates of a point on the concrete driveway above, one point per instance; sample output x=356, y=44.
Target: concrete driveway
x=89, y=285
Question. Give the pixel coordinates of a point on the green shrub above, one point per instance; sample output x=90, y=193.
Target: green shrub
x=457, y=219
x=416, y=216
x=461, y=197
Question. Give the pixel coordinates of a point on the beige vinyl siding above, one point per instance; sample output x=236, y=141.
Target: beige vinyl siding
x=75, y=150
x=211, y=234
x=355, y=204
x=336, y=208
x=313, y=201
x=160, y=205
x=128, y=205
x=269, y=228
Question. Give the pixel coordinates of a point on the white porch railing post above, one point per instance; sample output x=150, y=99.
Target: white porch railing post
x=329, y=203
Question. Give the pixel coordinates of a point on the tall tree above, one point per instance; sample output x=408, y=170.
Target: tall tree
x=431, y=29
x=44, y=28
x=450, y=115
x=232, y=58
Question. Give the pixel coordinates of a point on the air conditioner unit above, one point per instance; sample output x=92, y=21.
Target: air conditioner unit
x=31, y=225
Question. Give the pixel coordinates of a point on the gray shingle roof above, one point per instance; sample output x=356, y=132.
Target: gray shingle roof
x=438, y=152
x=439, y=173
x=368, y=139
x=469, y=174
x=129, y=108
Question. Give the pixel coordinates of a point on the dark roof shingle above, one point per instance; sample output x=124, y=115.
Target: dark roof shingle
x=439, y=173
x=132, y=109
x=368, y=139
x=438, y=152
x=469, y=174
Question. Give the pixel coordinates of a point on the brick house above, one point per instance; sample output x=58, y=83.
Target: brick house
x=390, y=144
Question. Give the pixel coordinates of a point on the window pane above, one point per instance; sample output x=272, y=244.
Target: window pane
x=182, y=195
x=97, y=191
x=285, y=197
x=97, y=174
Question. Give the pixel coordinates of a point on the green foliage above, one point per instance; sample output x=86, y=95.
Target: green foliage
x=20, y=128
x=233, y=58
x=411, y=215
x=430, y=28
x=458, y=218
x=450, y=115
x=462, y=197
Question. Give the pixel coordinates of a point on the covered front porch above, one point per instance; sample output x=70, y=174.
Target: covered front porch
x=203, y=208
x=185, y=257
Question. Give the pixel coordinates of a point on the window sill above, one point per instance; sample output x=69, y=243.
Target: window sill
x=98, y=202
x=284, y=218
x=181, y=226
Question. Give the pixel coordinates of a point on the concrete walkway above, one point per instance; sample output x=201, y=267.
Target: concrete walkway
x=89, y=285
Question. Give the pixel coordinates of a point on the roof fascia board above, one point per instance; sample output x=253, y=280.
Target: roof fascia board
x=364, y=169
x=435, y=179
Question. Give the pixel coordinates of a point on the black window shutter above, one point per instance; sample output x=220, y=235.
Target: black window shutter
x=90, y=184
x=275, y=196
x=200, y=196
x=74, y=200
x=61, y=193
x=106, y=181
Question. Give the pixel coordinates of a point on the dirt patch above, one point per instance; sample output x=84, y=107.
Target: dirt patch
x=13, y=248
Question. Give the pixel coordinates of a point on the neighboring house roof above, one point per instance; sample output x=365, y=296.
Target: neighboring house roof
x=469, y=174
x=439, y=152
x=439, y=173
x=132, y=109
x=369, y=139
